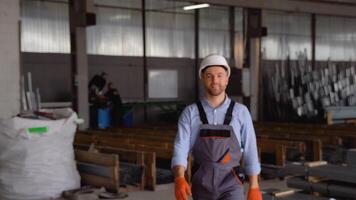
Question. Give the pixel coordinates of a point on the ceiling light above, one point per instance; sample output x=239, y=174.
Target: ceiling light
x=197, y=6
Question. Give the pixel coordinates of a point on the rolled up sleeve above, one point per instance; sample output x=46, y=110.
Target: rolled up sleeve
x=250, y=158
x=182, y=141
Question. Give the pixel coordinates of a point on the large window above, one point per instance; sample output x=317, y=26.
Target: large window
x=214, y=34
x=118, y=29
x=170, y=29
x=288, y=34
x=45, y=27
x=336, y=38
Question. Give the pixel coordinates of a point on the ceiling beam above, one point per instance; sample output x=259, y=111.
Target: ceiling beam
x=344, y=2
x=290, y=6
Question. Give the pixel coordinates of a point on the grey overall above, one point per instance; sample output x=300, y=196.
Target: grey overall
x=217, y=156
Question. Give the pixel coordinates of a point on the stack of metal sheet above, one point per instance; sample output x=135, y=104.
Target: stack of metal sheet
x=331, y=180
x=296, y=196
x=306, y=91
x=351, y=158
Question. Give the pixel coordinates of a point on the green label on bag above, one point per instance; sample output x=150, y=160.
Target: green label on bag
x=37, y=130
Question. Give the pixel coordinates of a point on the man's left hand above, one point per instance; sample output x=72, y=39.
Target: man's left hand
x=254, y=194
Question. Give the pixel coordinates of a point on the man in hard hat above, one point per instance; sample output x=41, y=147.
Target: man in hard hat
x=219, y=133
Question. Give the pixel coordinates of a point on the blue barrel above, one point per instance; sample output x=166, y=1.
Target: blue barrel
x=127, y=119
x=104, y=118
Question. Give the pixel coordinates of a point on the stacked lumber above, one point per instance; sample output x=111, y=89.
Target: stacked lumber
x=284, y=150
x=154, y=144
x=335, y=134
x=336, y=181
x=136, y=168
x=137, y=141
x=100, y=170
x=307, y=142
x=160, y=141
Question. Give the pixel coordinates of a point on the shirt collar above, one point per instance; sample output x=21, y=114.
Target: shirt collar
x=226, y=102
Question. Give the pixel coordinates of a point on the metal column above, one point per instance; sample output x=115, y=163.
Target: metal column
x=79, y=18
x=254, y=34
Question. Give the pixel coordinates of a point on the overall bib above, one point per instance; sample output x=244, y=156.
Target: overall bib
x=217, y=158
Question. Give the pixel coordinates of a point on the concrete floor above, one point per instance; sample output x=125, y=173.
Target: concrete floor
x=166, y=191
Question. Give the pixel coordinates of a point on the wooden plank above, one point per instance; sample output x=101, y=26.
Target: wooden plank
x=311, y=148
x=280, y=150
x=107, y=160
x=329, y=118
x=315, y=164
x=316, y=179
x=156, y=135
x=126, y=155
x=283, y=193
x=161, y=152
x=98, y=170
x=299, y=145
x=116, y=172
x=306, y=129
x=95, y=158
x=150, y=170
x=317, y=150
x=140, y=160
x=136, y=157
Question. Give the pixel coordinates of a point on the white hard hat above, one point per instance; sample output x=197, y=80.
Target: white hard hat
x=211, y=60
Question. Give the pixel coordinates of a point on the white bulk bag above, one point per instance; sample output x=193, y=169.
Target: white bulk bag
x=37, y=157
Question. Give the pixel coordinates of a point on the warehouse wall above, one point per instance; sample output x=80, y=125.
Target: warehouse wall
x=9, y=58
x=51, y=73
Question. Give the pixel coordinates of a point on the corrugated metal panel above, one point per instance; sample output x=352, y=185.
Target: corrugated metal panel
x=288, y=33
x=336, y=38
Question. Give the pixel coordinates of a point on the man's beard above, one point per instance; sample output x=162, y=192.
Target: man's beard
x=215, y=91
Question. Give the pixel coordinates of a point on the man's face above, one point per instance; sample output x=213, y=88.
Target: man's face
x=215, y=80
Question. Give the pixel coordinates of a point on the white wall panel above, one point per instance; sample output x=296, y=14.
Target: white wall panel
x=9, y=58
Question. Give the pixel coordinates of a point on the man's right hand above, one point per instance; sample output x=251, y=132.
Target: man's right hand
x=182, y=188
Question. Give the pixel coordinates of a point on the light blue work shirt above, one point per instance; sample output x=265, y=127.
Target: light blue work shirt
x=188, y=129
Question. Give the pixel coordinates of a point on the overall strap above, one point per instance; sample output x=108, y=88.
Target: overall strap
x=202, y=114
x=228, y=115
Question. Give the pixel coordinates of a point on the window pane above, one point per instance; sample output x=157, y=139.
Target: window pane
x=288, y=34
x=170, y=29
x=45, y=27
x=214, y=36
x=118, y=30
x=335, y=38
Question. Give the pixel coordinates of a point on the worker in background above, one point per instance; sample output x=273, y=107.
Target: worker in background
x=113, y=96
x=219, y=133
x=97, y=100
x=96, y=86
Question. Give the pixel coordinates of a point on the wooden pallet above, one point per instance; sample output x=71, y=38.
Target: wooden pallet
x=145, y=159
x=108, y=163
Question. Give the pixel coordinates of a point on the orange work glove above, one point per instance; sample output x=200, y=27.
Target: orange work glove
x=254, y=194
x=182, y=188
